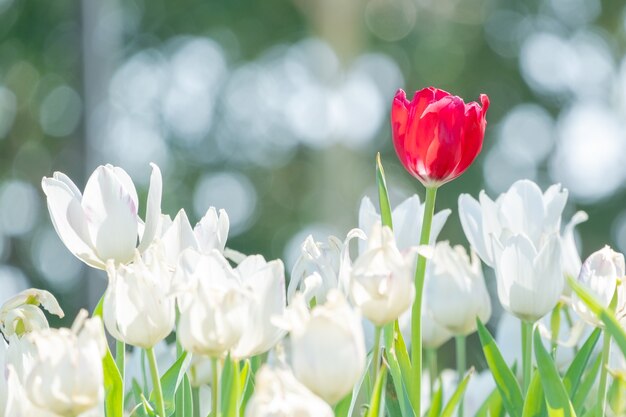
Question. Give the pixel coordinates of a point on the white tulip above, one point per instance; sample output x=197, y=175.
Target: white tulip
x=213, y=304
x=407, y=221
x=210, y=233
x=278, y=394
x=327, y=345
x=530, y=279
x=322, y=266
x=522, y=210
x=21, y=314
x=138, y=307
x=456, y=289
x=265, y=282
x=382, y=278
x=601, y=274
x=102, y=223
x=433, y=334
x=64, y=375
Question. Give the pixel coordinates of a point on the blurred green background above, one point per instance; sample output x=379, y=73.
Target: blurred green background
x=274, y=110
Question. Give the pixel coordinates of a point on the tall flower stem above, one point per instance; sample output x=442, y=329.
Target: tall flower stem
x=431, y=358
x=416, y=311
x=602, y=387
x=156, y=382
x=460, y=365
x=376, y=351
x=120, y=358
x=527, y=352
x=195, y=398
x=215, y=388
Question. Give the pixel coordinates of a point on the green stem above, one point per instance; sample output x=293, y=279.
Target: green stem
x=602, y=388
x=215, y=388
x=416, y=311
x=460, y=365
x=195, y=395
x=376, y=352
x=431, y=358
x=156, y=382
x=527, y=353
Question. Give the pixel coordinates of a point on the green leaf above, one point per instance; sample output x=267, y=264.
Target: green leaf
x=406, y=370
x=457, y=396
x=611, y=324
x=492, y=407
x=507, y=384
x=535, y=400
x=187, y=399
x=171, y=380
x=114, y=395
x=437, y=403
x=574, y=373
x=557, y=400
x=617, y=394
x=375, y=404
x=357, y=389
x=140, y=409
x=586, y=385
x=383, y=197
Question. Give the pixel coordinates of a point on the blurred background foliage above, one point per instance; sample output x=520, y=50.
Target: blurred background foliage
x=274, y=110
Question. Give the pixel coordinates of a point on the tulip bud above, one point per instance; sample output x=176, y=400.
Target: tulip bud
x=64, y=375
x=456, y=290
x=21, y=314
x=437, y=136
x=278, y=394
x=530, y=280
x=382, y=278
x=214, y=306
x=138, y=305
x=327, y=345
x=599, y=275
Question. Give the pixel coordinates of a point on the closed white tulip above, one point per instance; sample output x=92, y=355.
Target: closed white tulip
x=139, y=308
x=382, y=278
x=327, y=345
x=214, y=306
x=21, y=313
x=102, y=223
x=407, y=221
x=265, y=282
x=433, y=334
x=277, y=393
x=601, y=274
x=64, y=375
x=456, y=289
x=522, y=210
x=530, y=279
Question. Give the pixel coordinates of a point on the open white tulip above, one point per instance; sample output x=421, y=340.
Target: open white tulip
x=522, y=210
x=530, y=279
x=407, y=221
x=21, y=314
x=139, y=308
x=265, y=282
x=381, y=282
x=323, y=266
x=277, y=393
x=102, y=223
x=214, y=306
x=210, y=233
x=456, y=290
x=601, y=274
x=64, y=375
x=327, y=345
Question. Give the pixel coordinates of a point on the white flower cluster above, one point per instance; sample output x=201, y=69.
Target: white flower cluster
x=168, y=276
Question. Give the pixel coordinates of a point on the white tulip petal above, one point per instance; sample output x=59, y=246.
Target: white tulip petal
x=153, y=209
x=69, y=220
x=111, y=212
x=522, y=208
x=471, y=218
x=178, y=237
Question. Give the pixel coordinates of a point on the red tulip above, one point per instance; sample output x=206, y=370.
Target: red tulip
x=437, y=136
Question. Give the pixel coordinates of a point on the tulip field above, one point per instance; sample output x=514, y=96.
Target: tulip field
x=191, y=327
